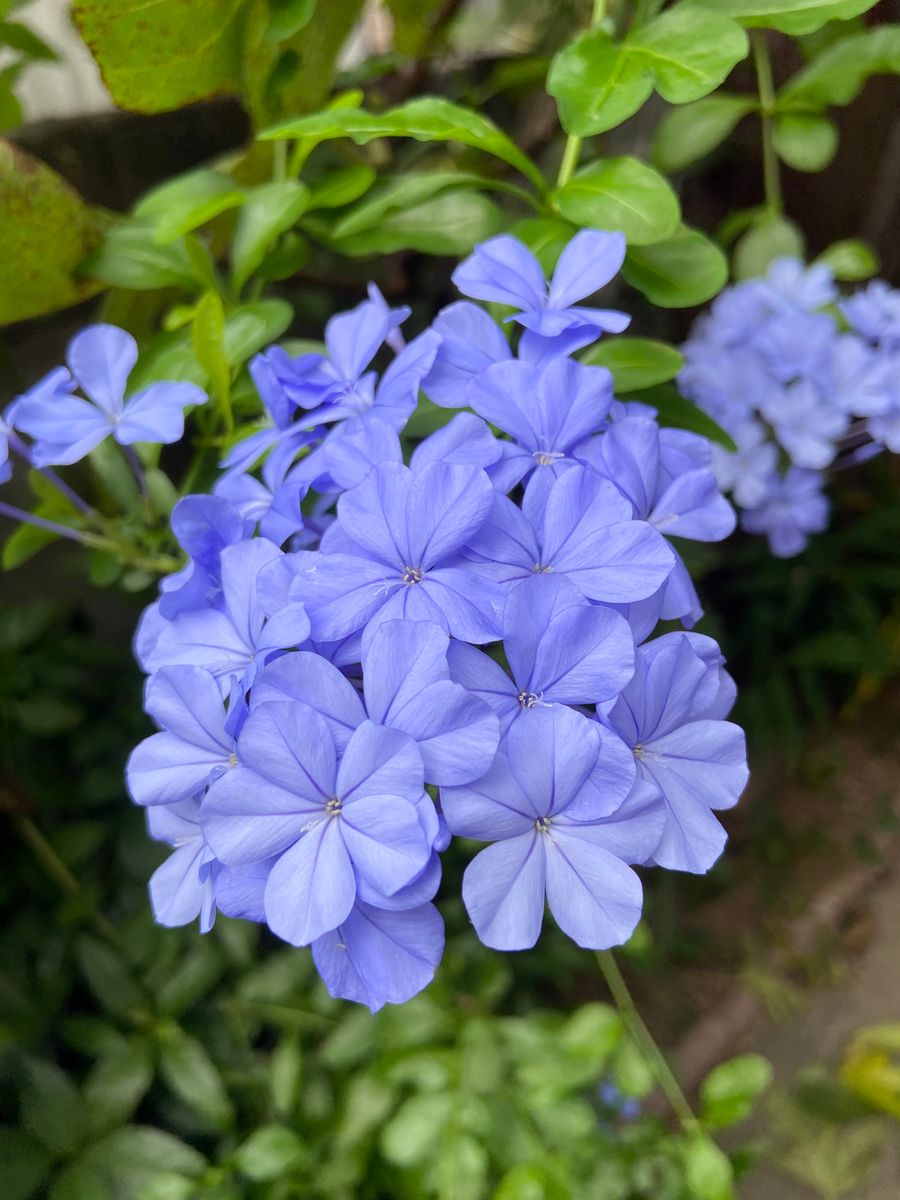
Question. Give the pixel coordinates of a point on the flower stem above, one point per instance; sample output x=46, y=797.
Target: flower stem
x=51, y=476
x=27, y=518
x=572, y=147
x=643, y=1039
x=57, y=870
x=766, y=86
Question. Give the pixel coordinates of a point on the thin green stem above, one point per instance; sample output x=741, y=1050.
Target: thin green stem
x=643, y=1038
x=279, y=162
x=766, y=86
x=572, y=147
x=57, y=870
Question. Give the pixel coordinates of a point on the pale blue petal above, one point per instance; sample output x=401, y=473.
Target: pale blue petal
x=590, y=260
x=101, y=358
x=594, y=897
x=385, y=841
x=311, y=888
x=318, y=683
x=503, y=891
x=552, y=751
x=504, y=270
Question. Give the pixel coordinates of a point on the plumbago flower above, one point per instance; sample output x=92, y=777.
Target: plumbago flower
x=449, y=639
x=798, y=392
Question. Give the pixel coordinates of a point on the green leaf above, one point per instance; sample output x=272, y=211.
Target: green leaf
x=804, y=141
x=409, y=1137
x=116, y=1085
x=108, y=977
x=21, y=38
x=23, y=543
x=592, y=1033
x=635, y=363
x=621, y=194
x=288, y=17
x=170, y=1186
x=545, y=237
x=450, y=224
x=50, y=1107
x=208, y=336
x=46, y=230
x=11, y=114
x=768, y=239
x=129, y=257
x=25, y=1164
x=728, y=1093
x=789, y=16
x=427, y=119
x=676, y=412
x=160, y=56
x=193, y=1076
x=80, y=1182
x=707, y=1170
x=850, y=261
x=185, y=203
x=134, y=1156
x=684, y=270
x=684, y=54
x=399, y=195
x=269, y=210
x=631, y=1072
x=836, y=76
x=285, y=259
x=687, y=134
x=342, y=187
x=269, y=1153
x=251, y=327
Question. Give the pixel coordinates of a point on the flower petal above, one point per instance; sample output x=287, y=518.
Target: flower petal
x=503, y=891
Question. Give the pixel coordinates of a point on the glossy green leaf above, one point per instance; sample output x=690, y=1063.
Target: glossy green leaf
x=192, y=1075
x=850, y=261
x=252, y=327
x=450, y=224
x=288, y=17
x=25, y=41
x=50, y=1107
x=25, y=1164
x=185, y=203
x=768, y=239
x=685, y=270
x=621, y=194
x=108, y=976
x=409, y=1137
x=789, y=16
x=129, y=257
x=398, y=195
x=730, y=1090
x=134, y=1156
x=684, y=54
x=687, y=134
x=268, y=211
x=545, y=237
x=427, y=119
x=635, y=363
x=10, y=109
x=836, y=76
x=159, y=56
x=341, y=187
x=208, y=337
x=592, y=1033
x=23, y=543
x=708, y=1172
x=677, y=412
x=805, y=142
x=80, y=1182
x=46, y=230
x=285, y=259
x=269, y=1153
x=116, y=1085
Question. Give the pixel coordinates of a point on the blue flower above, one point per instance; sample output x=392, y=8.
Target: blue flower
x=406, y=686
x=230, y=641
x=195, y=745
x=203, y=526
x=503, y=270
x=379, y=956
x=66, y=427
x=794, y=508
x=401, y=534
x=184, y=887
x=548, y=845
x=670, y=715
x=332, y=823
x=584, y=531
x=874, y=313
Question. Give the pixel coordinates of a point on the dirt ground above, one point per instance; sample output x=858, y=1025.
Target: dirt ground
x=818, y=1033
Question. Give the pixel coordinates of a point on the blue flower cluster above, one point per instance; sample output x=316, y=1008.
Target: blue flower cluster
x=452, y=643
x=802, y=381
